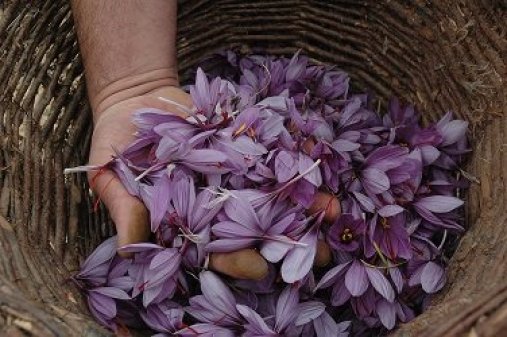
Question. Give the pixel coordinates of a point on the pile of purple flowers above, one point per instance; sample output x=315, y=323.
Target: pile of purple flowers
x=242, y=170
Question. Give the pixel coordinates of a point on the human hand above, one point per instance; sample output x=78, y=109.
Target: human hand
x=114, y=129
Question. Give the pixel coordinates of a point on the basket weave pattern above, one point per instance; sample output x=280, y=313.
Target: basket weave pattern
x=442, y=55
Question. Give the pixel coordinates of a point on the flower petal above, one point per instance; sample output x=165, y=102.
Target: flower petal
x=432, y=277
x=112, y=292
x=325, y=326
x=453, y=131
x=241, y=211
x=274, y=251
x=387, y=314
x=397, y=278
x=440, y=203
x=285, y=166
x=304, y=164
x=299, y=260
x=160, y=202
x=386, y=157
x=102, y=307
x=217, y=292
x=139, y=247
x=429, y=154
x=229, y=245
x=380, y=283
x=256, y=322
x=234, y=230
x=375, y=181
x=390, y=210
x=356, y=280
x=286, y=307
x=343, y=145
x=330, y=277
x=308, y=311
x=365, y=202
x=204, y=330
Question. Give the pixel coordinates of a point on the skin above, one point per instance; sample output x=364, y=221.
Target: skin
x=323, y=256
x=129, y=54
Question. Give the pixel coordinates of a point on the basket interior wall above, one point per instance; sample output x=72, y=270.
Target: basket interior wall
x=443, y=55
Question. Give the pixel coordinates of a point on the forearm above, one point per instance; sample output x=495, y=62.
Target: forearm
x=128, y=47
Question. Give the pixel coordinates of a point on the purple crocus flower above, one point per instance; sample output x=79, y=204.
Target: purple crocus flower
x=118, y=274
x=454, y=143
x=331, y=84
x=155, y=271
x=315, y=321
x=430, y=275
x=346, y=233
x=243, y=226
x=273, y=227
x=284, y=315
x=103, y=306
x=94, y=270
x=406, y=131
x=216, y=307
x=354, y=279
x=354, y=115
x=387, y=232
x=436, y=208
x=165, y=317
x=193, y=214
x=378, y=168
x=212, y=100
x=334, y=158
x=288, y=164
x=241, y=167
x=259, y=123
x=401, y=116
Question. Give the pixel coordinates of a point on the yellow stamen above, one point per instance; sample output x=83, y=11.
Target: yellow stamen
x=239, y=130
x=384, y=223
x=347, y=235
x=251, y=133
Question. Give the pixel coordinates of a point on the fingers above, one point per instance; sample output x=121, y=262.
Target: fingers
x=242, y=264
x=331, y=206
x=323, y=201
x=114, y=127
x=249, y=264
x=323, y=256
x=328, y=203
x=127, y=212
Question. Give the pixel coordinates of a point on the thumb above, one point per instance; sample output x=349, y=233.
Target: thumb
x=128, y=213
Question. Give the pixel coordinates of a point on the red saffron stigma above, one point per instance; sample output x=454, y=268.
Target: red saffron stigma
x=99, y=198
x=190, y=328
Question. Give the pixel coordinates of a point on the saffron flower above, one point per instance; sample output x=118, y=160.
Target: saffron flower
x=242, y=168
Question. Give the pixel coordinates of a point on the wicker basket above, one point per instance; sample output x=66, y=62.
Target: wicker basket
x=441, y=54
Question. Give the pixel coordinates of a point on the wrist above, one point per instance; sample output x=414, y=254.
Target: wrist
x=132, y=86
